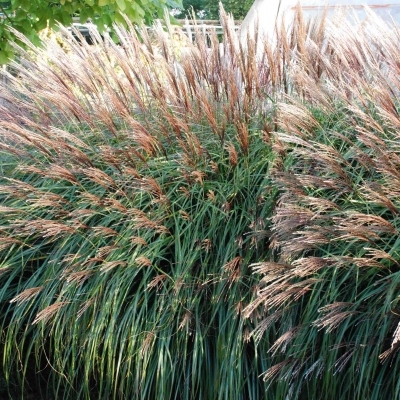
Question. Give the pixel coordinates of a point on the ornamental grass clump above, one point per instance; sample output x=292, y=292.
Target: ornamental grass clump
x=202, y=221
x=135, y=193
x=332, y=288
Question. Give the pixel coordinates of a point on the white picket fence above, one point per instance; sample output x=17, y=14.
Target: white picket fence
x=205, y=27
x=189, y=27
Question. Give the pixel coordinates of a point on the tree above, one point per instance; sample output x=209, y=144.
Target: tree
x=209, y=9
x=238, y=8
x=31, y=16
x=189, y=6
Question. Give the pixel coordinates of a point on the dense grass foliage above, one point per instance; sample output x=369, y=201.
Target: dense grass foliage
x=135, y=194
x=202, y=221
x=334, y=285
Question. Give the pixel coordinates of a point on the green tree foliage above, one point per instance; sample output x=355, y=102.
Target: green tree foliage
x=189, y=6
x=238, y=8
x=31, y=16
x=209, y=9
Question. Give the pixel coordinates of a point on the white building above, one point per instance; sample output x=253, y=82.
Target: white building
x=267, y=12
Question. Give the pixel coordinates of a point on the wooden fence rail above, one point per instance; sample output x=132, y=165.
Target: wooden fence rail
x=189, y=27
x=206, y=27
